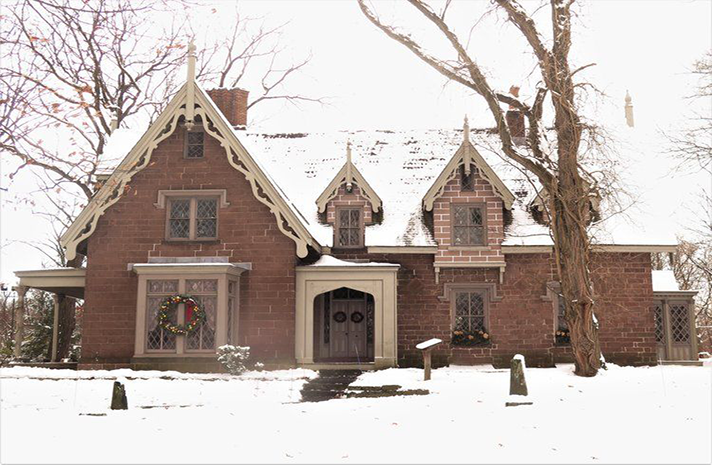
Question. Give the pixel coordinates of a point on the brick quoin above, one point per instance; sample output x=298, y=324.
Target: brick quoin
x=133, y=230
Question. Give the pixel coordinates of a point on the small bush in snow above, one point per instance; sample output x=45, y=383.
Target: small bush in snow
x=234, y=358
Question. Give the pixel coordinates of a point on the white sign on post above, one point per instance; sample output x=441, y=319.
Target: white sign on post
x=425, y=347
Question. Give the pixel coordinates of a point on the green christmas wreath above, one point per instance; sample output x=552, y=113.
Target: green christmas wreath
x=194, y=315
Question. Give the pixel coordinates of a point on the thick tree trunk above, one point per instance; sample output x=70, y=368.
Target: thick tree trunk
x=571, y=213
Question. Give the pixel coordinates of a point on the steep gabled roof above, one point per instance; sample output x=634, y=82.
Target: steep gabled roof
x=346, y=175
x=288, y=219
x=466, y=155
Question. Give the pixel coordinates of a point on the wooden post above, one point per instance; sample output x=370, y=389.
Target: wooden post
x=426, y=347
x=427, y=363
x=19, y=320
x=55, y=328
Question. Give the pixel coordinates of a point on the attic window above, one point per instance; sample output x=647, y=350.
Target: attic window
x=194, y=143
x=467, y=181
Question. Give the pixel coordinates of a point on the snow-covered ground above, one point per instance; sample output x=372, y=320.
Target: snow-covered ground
x=641, y=415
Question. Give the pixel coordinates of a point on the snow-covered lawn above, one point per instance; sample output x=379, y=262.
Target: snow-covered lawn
x=641, y=415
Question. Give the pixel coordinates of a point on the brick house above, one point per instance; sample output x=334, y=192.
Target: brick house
x=338, y=250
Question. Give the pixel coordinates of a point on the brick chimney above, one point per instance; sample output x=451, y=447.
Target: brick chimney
x=515, y=120
x=233, y=104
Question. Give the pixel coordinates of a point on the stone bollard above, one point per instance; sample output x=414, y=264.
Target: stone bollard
x=118, y=397
x=517, y=382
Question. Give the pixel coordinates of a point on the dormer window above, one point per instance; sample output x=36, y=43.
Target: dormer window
x=194, y=143
x=468, y=225
x=349, y=228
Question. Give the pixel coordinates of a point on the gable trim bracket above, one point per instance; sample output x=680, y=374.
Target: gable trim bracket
x=139, y=157
x=465, y=156
x=346, y=174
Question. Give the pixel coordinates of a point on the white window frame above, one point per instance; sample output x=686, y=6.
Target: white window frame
x=223, y=273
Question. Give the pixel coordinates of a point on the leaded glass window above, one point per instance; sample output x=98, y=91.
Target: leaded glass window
x=157, y=338
x=349, y=232
x=679, y=323
x=659, y=324
x=231, y=302
x=205, y=293
x=563, y=336
x=469, y=312
x=193, y=218
x=194, y=144
x=468, y=225
x=179, y=221
x=207, y=218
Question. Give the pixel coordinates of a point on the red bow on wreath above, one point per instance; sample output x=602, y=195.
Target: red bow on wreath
x=189, y=307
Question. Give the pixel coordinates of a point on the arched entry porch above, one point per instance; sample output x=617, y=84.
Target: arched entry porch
x=328, y=277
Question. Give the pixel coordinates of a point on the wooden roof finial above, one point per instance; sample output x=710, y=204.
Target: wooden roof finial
x=349, y=174
x=190, y=96
x=466, y=159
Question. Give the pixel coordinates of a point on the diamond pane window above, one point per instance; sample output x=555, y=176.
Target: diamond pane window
x=157, y=338
x=349, y=232
x=204, y=291
x=194, y=144
x=207, y=217
x=469, y=312
x=679, y=323
x=659, y=328
x=193, y=219
x=180, y=218
x=467, y=225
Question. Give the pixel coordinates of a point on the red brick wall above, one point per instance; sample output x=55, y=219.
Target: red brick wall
x=483, y=194
x=522, y=321
x=133, y=230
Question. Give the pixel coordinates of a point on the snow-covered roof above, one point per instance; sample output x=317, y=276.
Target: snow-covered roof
x=664, y=281
x=331, y=261
x=401, y=166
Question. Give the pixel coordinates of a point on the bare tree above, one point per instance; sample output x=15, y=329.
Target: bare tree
x=693, y=148
x=556, y=165
x=74, y=71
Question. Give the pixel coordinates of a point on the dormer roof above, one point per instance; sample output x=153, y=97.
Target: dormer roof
x=348, y=175
x=466, y=156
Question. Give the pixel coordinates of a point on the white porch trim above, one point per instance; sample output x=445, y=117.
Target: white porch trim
x=380, y=281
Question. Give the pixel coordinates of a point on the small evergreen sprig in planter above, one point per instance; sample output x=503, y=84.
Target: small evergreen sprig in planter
x=563, y=336
x=470, y=338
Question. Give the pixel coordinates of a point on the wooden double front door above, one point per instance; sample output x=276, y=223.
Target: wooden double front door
x=344, y=327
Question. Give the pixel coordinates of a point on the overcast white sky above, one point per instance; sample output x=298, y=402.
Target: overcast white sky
x=644, y=46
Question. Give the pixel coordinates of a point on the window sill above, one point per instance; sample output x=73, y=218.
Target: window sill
x=342, y=249
x=474, y=345
x=189, y=241
x=472, y=248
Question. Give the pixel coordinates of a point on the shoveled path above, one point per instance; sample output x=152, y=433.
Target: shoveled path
x=330, y=384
